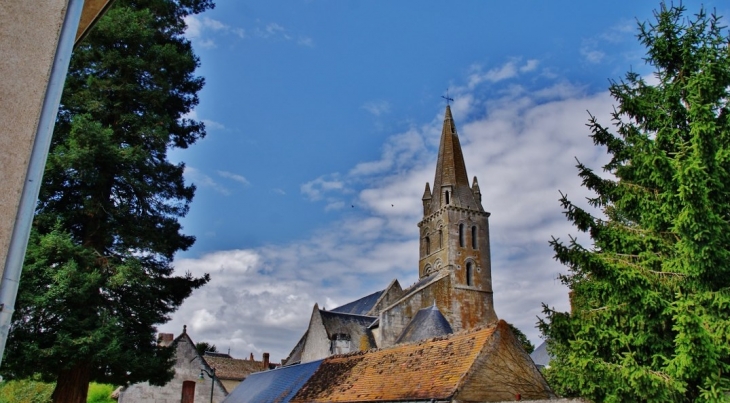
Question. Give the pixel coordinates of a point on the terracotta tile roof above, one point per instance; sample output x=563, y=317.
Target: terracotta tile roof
x=232, y=368
x=430, y=369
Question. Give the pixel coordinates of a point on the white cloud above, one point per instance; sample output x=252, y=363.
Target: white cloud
x=238, y=178
x=377, y=108
x=508, y=70
x=592, y=55
x=212, y=124
x=200, y=179
x=306, y=41
x=316, y=188
x=521, y=147
x=200, y=30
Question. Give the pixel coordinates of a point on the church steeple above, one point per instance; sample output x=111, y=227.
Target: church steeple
x=451, y=183
x=455, y=236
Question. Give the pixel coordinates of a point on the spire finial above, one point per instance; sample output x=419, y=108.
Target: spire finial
x=447, y=98
x=185, y=329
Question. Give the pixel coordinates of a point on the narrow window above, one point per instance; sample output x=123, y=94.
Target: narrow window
x=461, y=235
x=428, y=245
x=447, y=197
x=468, y=273
x=474, y=237
x=441, y=239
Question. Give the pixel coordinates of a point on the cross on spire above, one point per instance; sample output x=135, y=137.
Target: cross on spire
x=447, y=97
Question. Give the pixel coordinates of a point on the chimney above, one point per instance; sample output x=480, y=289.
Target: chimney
x=165, y=339
x=251, y=357
x=266, y=361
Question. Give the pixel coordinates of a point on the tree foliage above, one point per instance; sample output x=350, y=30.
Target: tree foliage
x=650, y=297
x=98, y=275
x=526, y=343
x=204, y=346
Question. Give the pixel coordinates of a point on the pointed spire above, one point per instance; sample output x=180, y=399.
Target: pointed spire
x=427, y=193
x=475, y=189
x=451, y=183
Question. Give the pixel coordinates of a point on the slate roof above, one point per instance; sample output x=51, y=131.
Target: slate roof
x=275, y=386
x=295, y=356
x=232, y=368
x=427, y=324
x=361, y=306
x=354, y=325
x=540, y=356
x=431, y=369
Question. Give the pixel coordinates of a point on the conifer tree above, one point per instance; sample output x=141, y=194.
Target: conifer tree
x=98, y=275
x=650, y=292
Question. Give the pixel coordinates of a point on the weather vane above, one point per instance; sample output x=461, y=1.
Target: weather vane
x=447, y=97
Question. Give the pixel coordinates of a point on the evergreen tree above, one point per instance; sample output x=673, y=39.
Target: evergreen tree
x=204, y=346
x=98, y=276
x=522, y=338
x=650, y=296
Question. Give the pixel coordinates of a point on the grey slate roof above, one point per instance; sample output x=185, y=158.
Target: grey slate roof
x=427, y=324
x=540, y=356
x=275, y=386
x=361, y=306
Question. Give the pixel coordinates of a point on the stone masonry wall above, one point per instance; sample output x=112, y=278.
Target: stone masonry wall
x=187, y=368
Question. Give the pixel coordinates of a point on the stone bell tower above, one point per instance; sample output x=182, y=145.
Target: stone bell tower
x=455, y=234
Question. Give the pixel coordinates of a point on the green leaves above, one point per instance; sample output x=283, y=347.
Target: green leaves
x=649, y=313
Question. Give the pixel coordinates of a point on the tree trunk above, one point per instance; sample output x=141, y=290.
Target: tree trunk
x=72, y=384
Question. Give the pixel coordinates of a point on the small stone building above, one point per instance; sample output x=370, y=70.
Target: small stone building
x=187, y=385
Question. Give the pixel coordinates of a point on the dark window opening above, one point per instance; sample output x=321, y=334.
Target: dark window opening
x=461, y=235
x=474, y=237
x=340, y=344
x=447, y=197
x=468, y=273
x=427, y=241
x=441, y=239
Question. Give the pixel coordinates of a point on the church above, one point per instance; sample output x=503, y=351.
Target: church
x=437, y=340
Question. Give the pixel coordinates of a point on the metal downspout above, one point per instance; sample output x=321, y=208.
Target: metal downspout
x=36, y=165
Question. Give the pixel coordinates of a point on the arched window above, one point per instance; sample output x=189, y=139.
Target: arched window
x=428, y=245
x=447, y=197
x=461, y=235
x=441, y=239
x=469, y=270
x=474, y=237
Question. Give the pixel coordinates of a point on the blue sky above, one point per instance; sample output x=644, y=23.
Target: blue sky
x=323, y=120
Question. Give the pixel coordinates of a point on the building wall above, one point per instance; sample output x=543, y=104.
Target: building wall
x=187, y=368
x=317, y=345
x=229, y=384
x=396, y=317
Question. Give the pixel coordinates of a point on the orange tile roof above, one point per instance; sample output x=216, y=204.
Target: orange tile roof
x=232, y=368
x=430, y=369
